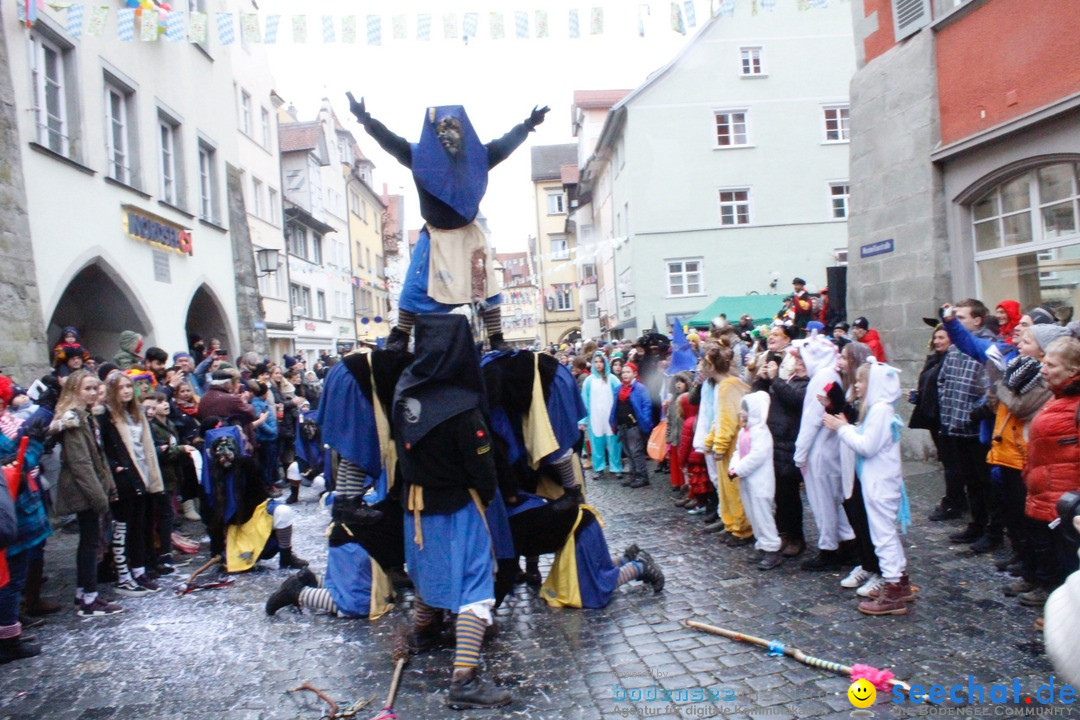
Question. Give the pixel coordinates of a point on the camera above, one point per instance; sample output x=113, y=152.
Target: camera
x=775, y=357
x=1068, y=507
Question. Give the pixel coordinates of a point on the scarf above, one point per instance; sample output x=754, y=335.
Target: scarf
x=1022, y=374
x=624, y=391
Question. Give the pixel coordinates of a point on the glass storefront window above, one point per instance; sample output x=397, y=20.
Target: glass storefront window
x=1051, y=276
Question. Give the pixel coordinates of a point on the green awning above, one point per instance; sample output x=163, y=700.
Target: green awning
x=762, y=308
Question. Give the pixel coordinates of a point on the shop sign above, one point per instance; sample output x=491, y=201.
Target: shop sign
x=876, y=248
x=309, y=326
x=155, y=230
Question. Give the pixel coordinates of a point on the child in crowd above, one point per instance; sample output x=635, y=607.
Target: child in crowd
x=693, y=461
x=680, y=385
x=266, y=432
x=873, y=448
x=172, y=456
x=753, y=465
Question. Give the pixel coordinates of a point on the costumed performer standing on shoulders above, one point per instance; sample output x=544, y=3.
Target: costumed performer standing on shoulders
x=452, y=264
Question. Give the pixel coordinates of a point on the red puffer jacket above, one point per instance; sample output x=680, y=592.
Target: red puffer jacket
x=1053, y=462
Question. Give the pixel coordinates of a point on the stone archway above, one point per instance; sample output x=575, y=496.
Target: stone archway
x=570, y=336
x=206, y=318
x=100, y=305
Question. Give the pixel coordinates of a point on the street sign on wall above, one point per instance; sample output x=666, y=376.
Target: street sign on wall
x=876, y=248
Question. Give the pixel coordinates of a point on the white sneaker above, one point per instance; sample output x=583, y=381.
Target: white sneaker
x=699, y=510
x=130, y=588
x=876, y=582
x=856, y=578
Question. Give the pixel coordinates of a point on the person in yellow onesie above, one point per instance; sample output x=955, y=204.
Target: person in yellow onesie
x=721, y=442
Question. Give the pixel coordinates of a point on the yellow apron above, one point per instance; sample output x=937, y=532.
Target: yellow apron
x=244, y=543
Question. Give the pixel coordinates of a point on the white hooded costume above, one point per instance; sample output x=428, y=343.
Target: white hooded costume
x=873, y=449
x=817, y=449
x=753, y=464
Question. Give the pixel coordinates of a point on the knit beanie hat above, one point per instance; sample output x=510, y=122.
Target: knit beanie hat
x=1046, y=334
x=1041, y=315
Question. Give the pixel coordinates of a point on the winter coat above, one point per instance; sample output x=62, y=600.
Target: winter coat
x=85, y=481
x=754, y=466
x=785, y=412
x=725, y=428
x=872, y=339
x=925, y=415
x=817, y=448
x=129, y=350
x=674, y=422
x=640, y=405
x=1053, y=464
x=874, y=440
x=687, y=453
x=1015, y=412
x=130, y=482
x=171, y=459
x=284, y=395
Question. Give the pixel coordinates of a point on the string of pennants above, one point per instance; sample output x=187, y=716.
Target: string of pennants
x=158, y=19
x=333, y=273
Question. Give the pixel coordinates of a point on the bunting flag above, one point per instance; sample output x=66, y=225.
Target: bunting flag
x=498, y=30
x=348, y=29
x=449, y=26
x=521, y=25
x=329, y=36
x=374, y=30
x=149, y=28
x=175, y=27
x=677, y=19
x=225, y=29
x=819, y=4
x=249, y=28
x=541, y=23
x=273, y=22
x=596, y=21
x=727, y=8
x=125, y=24
x=642, y=11
x=423, y=27
x=75, y=20
x=573, y=26
x=769, y=5
x=299, y=29
x=469, y=23
x=98, y=17
x=689, y=14
x=400, y=27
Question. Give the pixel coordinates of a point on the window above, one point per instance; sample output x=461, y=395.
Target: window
x=320, y=304
x=684, y=277
x=838, y=197
x=266, y=127
x=909, y=16
x=296, y=241
x=591, y=309
x=559, y=248
x=208, y=183
x=256, y=197
x=272, y=206
x=588, y=272
x=1026, y=237
x=751, y=61
x=731, y=128
x=120, y=143
x=735, y=207
x=294, y=180
x=562, y=297
x=169, y=145
x=316, y=248
x=48, y=73
x=300, y=298
x=556, y=203
x=359, y=255
x=380, y=268
x=363, y=210
x=836, y=124
x=245, y=112
x=354, y=202
x=341, y=304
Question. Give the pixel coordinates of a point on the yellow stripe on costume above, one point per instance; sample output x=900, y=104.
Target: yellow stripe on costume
x=536, y=425
x=382, y=594
x=560, y=588
x=244, y=543
x=387, y=448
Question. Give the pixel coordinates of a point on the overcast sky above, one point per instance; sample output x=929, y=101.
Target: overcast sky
x=498, y=81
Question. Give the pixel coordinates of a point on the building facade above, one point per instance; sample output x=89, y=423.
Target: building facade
x=371, y=298
x=554, y=246
x=964, y=162
x=125, y=180
x=725, y=173
x=520, y=299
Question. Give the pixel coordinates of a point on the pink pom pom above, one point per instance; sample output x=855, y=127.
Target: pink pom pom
x=878, y=678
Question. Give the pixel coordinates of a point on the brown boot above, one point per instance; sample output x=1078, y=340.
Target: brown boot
x=889, y=602
x=33, y=603
x=909, y=593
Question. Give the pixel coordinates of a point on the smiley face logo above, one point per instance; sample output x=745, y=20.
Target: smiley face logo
x=862, y=693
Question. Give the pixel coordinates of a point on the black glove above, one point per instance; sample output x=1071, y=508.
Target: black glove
x=358, y=109
x=536, y=117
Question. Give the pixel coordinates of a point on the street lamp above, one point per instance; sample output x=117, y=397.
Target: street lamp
x=267, y=261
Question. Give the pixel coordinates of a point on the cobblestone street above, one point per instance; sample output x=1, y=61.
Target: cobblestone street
x=215, y=654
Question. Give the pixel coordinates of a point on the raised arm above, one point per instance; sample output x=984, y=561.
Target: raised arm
x=395, y=145
x=499, y=150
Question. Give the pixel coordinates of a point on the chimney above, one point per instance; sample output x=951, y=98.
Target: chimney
x=292, y=113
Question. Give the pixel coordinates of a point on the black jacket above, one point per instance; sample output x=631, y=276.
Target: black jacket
x=129, y=484
x=452, y=458
x=926, y=414
x=785, y=414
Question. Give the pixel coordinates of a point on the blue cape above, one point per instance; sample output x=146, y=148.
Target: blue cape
x=682, y=354
x=460, y=181
x=347, y=421
x=230, y=478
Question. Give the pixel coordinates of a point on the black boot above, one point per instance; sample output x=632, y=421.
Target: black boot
x=398, y=341
x=288, y=561
x=630, y=553
x=294, y=495
x=532, y=571
x=17, y=648
x=824, y=560
x=353, y=510
x=287, y=594
x=473, y=691
x=650, y=571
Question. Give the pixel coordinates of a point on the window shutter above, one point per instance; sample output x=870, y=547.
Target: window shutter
x=909, y=16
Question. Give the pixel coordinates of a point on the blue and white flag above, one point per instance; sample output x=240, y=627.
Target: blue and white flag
x=574, y=24
x=521, y=24
x=374, y=29
x=225, y=29
x=329, y=36
x=74, y=20
x=273, y=22
x=423, y=27
x=125, y=24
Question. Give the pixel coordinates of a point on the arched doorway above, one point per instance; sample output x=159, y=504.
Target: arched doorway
x=570, y=336
x=206, y=318
x=100, y=305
